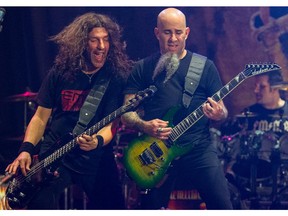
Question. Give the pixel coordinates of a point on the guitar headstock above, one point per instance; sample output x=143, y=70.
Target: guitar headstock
x=141, y=96
x=256, y=69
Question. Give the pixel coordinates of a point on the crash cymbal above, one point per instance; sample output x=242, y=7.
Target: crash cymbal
x=26, y=96
x=246, y=115
x=281, y=86
x=277, y=116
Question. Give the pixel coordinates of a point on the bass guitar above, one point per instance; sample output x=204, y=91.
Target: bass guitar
x=22, y=188
x=147, y=159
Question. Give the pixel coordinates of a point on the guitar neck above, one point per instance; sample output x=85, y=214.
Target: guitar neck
x=196, y=115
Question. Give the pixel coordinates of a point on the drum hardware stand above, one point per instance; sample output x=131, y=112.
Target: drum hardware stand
x=26, y=105
x=276, y=162
x=253, y=176
x=253, y=171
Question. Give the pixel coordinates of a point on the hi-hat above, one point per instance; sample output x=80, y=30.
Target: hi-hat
x=281, y=86
x=26, y=96
x=246, y=115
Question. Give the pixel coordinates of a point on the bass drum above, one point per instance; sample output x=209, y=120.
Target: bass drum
x=254, y=149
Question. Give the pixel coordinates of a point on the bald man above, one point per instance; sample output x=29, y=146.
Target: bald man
x=167, y=69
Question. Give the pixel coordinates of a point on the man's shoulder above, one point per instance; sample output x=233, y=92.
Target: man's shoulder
x=148, y=61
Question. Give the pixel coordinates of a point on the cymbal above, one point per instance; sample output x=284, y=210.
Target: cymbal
x=281, y=86
x=26, y=96
x=13, y=138
x=246, y=115
x=251, y=114
x=277, y=116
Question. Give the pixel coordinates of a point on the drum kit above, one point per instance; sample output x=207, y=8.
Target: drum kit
x=256, y=162
x=16, y=112
x=28, y=99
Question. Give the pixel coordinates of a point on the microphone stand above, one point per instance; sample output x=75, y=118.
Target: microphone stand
x=253, y=158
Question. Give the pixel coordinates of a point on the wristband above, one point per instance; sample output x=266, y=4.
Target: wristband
x=27, y=147
x=100, y=141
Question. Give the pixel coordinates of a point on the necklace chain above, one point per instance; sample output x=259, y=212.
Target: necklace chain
x=90, y=76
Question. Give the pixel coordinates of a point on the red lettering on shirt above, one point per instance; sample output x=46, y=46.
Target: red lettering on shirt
x=72, y=100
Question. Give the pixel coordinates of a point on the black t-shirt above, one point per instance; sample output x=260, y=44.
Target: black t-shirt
x=262, y=119
x=261, y=130
x=66, y=97
x=169, y=95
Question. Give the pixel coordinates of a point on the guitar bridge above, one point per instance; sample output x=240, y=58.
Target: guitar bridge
x=146, y=157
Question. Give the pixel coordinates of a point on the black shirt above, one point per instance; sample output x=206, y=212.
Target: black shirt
x=66, y=97
x=169, y=95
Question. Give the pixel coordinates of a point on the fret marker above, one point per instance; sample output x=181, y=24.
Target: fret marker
x=227, y=87
x=237, y=78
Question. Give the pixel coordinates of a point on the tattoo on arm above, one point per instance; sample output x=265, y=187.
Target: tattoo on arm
x=132, y=119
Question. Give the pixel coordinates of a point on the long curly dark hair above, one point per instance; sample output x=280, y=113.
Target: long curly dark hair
x=73, y=40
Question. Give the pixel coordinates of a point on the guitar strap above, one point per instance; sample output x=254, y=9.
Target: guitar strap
x=193, y=77
x=91, y=104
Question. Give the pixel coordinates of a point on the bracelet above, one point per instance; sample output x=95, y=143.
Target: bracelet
x=27, y=147
x=100, y=141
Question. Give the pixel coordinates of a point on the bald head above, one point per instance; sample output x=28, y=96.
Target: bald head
x=171, y=14
x=172, y=32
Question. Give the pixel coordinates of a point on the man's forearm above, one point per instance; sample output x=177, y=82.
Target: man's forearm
x=133, y=120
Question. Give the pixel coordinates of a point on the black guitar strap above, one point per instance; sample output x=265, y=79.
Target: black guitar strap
x=91, y=104
x=193, y=77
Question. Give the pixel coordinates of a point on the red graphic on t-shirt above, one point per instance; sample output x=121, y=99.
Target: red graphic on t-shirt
x=72, y=100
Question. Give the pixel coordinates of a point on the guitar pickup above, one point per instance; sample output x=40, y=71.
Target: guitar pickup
x=157, y=151
x=146, y=157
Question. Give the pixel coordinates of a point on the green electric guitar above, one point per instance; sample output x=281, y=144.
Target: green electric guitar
x=147, y=159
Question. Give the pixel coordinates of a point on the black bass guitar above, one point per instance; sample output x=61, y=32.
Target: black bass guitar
x=21, y=189
x=147, y=159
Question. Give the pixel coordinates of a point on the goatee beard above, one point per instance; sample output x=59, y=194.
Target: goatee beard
x=168, y=62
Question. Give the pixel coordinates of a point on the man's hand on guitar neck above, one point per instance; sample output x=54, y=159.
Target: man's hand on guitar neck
x=88, y=143
x=215, y=110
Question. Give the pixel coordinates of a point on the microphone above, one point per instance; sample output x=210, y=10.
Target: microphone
x=2, y=14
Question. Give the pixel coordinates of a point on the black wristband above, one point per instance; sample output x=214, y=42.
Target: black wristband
x=100, y=141
x=27, y=147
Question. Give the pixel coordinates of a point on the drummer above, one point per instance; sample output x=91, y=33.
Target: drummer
x=268, y=115
x=270, y=111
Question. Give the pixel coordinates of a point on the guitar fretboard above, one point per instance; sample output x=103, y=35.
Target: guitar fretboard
x=192, y=118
